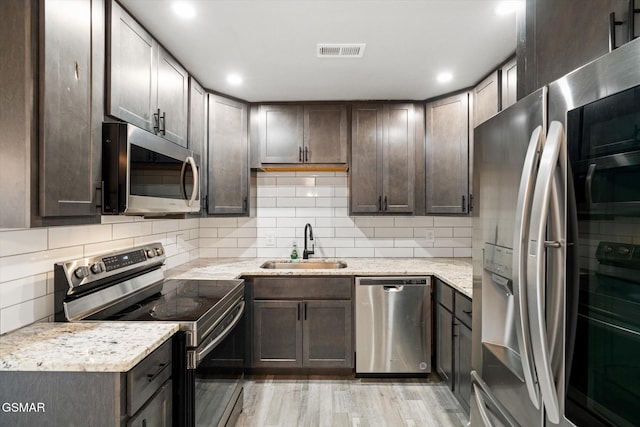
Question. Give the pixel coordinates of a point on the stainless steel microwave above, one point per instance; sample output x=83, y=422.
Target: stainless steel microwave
x=144, y=174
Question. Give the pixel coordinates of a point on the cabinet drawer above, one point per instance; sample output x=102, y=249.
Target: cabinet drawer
x=279, y=288
x=158, y=411
x=463, y=309
x=444, y=295
x=147, y=377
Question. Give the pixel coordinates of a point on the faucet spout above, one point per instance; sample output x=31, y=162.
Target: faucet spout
x=306, y=252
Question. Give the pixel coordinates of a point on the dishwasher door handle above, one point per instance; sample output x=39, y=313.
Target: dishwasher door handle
x=393, y=288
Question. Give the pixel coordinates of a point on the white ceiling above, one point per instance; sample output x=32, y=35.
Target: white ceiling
x=272, y=45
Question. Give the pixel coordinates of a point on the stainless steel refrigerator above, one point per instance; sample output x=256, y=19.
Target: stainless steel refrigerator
x=556, y=252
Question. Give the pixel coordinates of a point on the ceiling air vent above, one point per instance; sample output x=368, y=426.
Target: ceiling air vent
x=341, y=50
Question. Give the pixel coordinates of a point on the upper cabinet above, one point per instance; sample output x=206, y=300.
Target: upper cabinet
x=509, y=87
x=146, y=85
x=197, y=119
x=382, y=175
x=486, y=98
x=290, y=133
x=447, y=153
x=228, y=157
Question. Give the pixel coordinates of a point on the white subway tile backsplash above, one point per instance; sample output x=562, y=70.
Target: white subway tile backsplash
x=296, y=222
x=275, y=212
x=272, y=191
x=21, y=290
x=462, y=232
x=23, y=241
x=16, y=316
x=208, y=232
x=462, y=252
x=132, y=229
x=413, y=221
x=355, y=252
x=443, y=232
x=331, y=180
x=266, y=202
x=237, y=253
x=393, y=232
x=432, y=252
x=335, y=222
x=314, y=212
x=334, y=202
x=354, y=232
x=296, y=202
x=237, y=232
x=314, y=191
x=445, y=221
x=165, y=226
x=393, y=253
x=102, y=247
x=26, y=265
x=373, y=221
x=208, y=252
x=61, y=237
x=373, y=243
x=308, y=181
x=461, y=242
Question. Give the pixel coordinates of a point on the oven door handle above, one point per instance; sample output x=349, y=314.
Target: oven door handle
x=201, y=353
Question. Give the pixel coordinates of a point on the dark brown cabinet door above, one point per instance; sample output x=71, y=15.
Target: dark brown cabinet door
x=277, y=334
x=173, y=83
x=462, y=369
x=485, y=99
x=366, y=158
x=325, y=134
x=382, y=158
x=447, y=155
x=281, y=133
x=444, y=344
x=327, y=340
x=71, y=107
x=228, y=157
x=398, y=159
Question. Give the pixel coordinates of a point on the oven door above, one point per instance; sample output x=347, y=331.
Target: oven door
x=216, y=382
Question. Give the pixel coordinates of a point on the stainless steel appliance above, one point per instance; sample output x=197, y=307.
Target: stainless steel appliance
x=556, y=212
x=393, y=325
x=144, y=174
x=208, y=355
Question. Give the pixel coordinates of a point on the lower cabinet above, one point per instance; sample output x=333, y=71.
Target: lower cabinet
x=302, y=323
x=453, y=341
x=143, y=396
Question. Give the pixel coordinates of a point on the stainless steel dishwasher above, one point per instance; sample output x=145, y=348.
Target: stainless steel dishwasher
x=393, y=325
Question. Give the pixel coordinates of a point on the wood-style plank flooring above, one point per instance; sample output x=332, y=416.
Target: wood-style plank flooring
x=342, y=401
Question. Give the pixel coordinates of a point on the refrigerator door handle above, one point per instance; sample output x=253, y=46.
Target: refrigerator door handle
x=523, y=214
x=536, y=268
x=486, y=403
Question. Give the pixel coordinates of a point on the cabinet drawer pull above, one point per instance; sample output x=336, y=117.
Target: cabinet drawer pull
x=386, y=204
x=306, y=154
x=299, y=154
x=298, y=307
x=467, y=312
x=151, y=377
x=379, y=203
x=305, y=311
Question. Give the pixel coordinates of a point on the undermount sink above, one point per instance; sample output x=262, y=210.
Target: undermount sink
x=306, y=265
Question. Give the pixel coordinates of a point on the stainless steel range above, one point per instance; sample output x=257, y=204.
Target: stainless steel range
x=129, y=285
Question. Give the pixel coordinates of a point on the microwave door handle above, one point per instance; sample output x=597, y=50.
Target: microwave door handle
x=194, y=193
x=536, y=268
x=589, y=182
x=523, y=214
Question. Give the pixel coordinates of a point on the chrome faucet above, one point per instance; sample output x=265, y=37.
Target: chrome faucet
x=306, y=253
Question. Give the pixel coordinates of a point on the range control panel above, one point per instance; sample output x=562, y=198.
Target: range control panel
x=85, y=271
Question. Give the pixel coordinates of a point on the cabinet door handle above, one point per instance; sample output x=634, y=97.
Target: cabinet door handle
x=305, y=311
x=463, y=205
x=244, y=204
x=298, y=307
x=306, y=154
x=386, y=204
x=299, y=154
x=470, y=202
x=151, y=377
x=156, y=120
x=467, y=312
x=379, y=203
x=164, y=123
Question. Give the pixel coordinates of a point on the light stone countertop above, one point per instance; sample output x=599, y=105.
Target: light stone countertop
x=86, y=347
x=456, y=272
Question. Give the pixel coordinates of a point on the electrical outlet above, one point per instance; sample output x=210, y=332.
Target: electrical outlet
x=271, y=238
x=430, y=235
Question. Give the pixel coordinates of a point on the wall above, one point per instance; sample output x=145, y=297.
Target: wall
x=282, y=203
x=27, y=257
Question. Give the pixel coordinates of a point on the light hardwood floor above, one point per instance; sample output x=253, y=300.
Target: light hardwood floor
x=341, y=401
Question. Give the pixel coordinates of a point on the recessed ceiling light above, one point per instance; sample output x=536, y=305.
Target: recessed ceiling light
x=444, y=77
x=184, y=10
x=508, y=7
x=234, y=79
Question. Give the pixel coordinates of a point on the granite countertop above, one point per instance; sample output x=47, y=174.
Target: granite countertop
x=456, y=272
x=88, y=347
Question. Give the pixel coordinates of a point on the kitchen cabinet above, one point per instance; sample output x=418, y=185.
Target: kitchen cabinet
x=228, y=157
x=447, y=154
x=555, y=37
x=509, y=86
x=302, y=323
x=293, y=133
x=453, y=341
x=146, y=85
x=143, y=396
x=382, y=177
x=51, y=113
x=486, y=96
x=197, y=133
